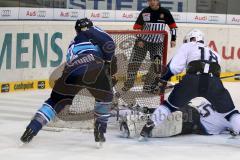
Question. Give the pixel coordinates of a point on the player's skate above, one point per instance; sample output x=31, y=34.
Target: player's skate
x=45, y=114
x=232, y=132
x=146, y=130
x=27, y=135
x=99, y=133
x=32, y=130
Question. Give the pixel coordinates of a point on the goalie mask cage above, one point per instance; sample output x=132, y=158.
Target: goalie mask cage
x=135, y=52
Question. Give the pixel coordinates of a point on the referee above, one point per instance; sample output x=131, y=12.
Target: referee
x=152, y=18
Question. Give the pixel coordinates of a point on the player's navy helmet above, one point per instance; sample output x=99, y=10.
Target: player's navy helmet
x=83, y=24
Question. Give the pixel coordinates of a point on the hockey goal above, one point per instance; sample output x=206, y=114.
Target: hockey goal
x=135, y=52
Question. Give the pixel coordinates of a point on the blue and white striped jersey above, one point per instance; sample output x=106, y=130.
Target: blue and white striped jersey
x=92, y=41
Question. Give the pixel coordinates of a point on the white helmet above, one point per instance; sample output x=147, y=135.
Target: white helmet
x=186, y=39
x=195, y=33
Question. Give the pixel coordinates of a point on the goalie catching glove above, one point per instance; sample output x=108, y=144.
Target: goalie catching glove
x=160, y=86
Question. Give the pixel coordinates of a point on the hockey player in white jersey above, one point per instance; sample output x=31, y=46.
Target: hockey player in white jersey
x=202, y=79
x=214, y=122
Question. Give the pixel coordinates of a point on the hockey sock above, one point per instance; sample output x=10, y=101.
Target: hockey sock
x=45, y=114
x=102, y=113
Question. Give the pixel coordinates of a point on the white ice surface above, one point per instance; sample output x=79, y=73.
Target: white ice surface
x=16, y=109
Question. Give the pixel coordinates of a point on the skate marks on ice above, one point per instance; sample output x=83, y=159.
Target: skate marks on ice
x=21, y=106
x=69, y=145
x=74, y=145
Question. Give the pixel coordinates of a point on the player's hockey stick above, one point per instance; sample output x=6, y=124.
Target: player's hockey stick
x=236, y=76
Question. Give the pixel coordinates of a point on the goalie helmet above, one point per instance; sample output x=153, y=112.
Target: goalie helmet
x=83, y=24
x=197, y=34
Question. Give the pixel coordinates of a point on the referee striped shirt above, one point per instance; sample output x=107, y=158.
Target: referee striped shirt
x=155, y=20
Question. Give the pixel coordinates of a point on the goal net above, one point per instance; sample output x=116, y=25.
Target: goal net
x=137, y=54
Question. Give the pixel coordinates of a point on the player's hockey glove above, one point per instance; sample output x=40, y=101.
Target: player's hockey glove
x=162, y=86
x=107, y=67
x=159, y=86
x=111, y=66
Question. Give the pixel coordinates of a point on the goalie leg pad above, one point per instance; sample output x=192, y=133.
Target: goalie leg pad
x=131, y=123
x=171, y=126
x=160, y=114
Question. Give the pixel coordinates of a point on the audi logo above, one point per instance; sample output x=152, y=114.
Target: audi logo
x=105, y=14
x=213, y=18
x=6, y=13
x=177, y=17
x=41, y=14
x=74, y=14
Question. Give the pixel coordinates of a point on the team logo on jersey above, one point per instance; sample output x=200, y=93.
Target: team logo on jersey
x=161, y=16
x=5, y=88
x=146, y=16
